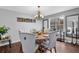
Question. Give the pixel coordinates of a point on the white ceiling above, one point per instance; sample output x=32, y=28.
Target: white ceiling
x=32, y=10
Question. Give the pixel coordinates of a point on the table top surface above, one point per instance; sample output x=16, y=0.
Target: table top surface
x=5, y=38
x=41, y=37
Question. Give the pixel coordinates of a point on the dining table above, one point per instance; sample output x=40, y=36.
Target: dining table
x=40, y=38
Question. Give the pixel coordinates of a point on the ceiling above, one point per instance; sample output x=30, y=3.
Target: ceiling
x=32, y=10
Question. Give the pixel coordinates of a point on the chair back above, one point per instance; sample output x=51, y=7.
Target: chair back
x=52, y=39
x=28, y=42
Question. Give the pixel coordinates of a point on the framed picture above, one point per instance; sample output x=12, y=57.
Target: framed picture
x=19, y=19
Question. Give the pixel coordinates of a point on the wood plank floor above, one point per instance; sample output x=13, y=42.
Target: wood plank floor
x=67, y=48
x=61, y=48
x=15, y=48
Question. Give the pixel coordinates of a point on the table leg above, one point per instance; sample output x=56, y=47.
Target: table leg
x=10, y=43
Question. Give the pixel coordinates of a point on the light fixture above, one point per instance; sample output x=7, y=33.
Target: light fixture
x=62, y=17
x=39, y=16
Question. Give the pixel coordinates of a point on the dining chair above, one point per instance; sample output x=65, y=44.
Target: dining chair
x=50, y=41
x=28, y=42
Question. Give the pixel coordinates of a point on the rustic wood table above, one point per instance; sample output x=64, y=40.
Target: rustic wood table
x=6, y=40
x=41, y=38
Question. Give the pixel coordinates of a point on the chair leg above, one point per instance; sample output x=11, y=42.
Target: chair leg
x=51, y=50
x=55, y=49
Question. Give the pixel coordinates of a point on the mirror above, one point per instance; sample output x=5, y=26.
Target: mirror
x=45, y=25
x=71, y=24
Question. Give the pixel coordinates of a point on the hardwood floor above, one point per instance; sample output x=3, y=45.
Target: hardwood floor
x=61, y=48
x=15, y=48
x=67, y=48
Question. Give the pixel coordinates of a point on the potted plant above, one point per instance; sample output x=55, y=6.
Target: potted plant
x=3, y=30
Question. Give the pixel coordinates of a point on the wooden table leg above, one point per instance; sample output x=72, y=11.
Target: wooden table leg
x=10, y=43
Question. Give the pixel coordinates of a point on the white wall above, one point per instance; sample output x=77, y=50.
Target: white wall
x=9, y=18
x=28, y=27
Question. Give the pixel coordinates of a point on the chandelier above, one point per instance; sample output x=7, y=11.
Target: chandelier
x=39, y=15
